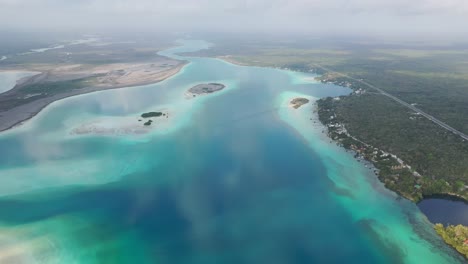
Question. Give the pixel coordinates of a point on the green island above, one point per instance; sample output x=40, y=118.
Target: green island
x=151, y=114
x=412, y=155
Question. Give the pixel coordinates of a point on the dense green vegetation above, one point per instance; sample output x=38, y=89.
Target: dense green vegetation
x=456, y=236
x=440, y=157
x=151, y=114
x=50, y=88
x=32, y=92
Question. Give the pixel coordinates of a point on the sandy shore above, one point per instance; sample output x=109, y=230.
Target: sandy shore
x=230, y=59
x=16, y=116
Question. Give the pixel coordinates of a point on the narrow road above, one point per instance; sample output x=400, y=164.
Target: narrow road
x=412, y=107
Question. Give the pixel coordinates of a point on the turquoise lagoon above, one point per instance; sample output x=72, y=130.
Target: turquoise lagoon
x=232, y=177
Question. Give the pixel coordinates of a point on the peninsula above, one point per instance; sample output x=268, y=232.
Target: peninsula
x=87, y=69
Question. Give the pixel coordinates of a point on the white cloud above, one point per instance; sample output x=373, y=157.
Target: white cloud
x=260, y=15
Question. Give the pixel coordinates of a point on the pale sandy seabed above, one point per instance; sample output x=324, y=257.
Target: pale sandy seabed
x=129, y=125
x=134, y=125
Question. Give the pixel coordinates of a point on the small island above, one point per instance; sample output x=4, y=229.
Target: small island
x=151, y=114
x=148, y=123
x=205, y=88
x=298, y=102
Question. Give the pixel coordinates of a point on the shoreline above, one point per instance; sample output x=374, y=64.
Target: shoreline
x=440, y=229
x=445, y=196
x=338, y=133
x=229, y=59
x=409, y=224
x=16, y=116
x=358, y=156
x=361, y=148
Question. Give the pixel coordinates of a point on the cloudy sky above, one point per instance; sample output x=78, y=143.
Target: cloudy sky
x=407, y=17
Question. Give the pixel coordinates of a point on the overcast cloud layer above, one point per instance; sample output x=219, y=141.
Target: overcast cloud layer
x=407, y=17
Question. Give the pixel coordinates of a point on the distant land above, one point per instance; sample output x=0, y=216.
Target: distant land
x=77, y=68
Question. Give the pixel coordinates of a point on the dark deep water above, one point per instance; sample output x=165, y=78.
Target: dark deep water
x=445, y=211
